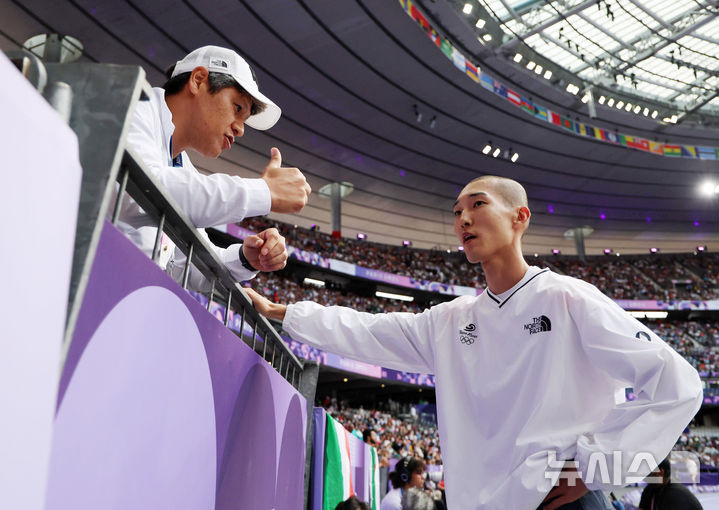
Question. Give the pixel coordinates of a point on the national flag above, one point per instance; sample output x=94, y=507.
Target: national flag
x=419, y=18
x=472, y=71
x=406, y=4
x=628, y=140
x=541, y=112
x=500, y=89
x=458, y=59
x=338, y=472
x=580, y=128
x=707, y=152
x=674, y=151
x=436, y=39
x=621, y=140
x=656, y=147
x=611, y=137
x=513, y=97
x=689, y=151
x=446, y=48
x=555, y=118
x=374, y=483
x=567, y=124
x=642, y=144
x=486, y=81
x=599, y=134
x=527, y=105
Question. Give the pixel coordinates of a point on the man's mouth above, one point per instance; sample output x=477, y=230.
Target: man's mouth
x=228, y=142
x=466, y=237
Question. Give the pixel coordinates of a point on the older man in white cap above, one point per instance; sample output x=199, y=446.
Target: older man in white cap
x=209, y=97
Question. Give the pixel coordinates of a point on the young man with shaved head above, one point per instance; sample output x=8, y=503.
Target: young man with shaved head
x=209, y=97
x=528, y=373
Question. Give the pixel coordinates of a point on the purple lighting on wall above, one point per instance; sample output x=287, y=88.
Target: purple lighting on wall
x=460, y=248
x=602, y=216
x=696, y=223
x=653, y=250
x=406, y=243
x=555, y=251
x=607, y=251
x=550, y=209
x=649, y=220
x=360, y=235
x=701, y=248
x=401, y=172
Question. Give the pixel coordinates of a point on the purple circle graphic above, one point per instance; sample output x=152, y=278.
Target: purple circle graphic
x=290, y=486
x=136, y=427
x=247, y=474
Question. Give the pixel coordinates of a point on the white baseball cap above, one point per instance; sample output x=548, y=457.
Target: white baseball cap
x=224, y=61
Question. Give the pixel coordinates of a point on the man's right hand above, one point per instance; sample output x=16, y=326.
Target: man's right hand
x=288, y=187
x=266, y=307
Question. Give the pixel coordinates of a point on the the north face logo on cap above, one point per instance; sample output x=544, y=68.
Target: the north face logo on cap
x=218, y=62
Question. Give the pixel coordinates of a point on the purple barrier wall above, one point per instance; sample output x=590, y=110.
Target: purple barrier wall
x=160, y=406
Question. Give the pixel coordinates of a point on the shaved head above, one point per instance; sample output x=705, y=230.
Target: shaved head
x=510, y=191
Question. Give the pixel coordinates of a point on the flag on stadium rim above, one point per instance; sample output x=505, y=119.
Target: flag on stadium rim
x=338, y=472
x=527, y=105
x=707, y=152
x=513, y=97
x=472, y=71
x=672, y=150
x=486, y=81
x=458, y=59
x=541, y=112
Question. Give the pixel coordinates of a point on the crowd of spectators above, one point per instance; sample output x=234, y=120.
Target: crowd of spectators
x=658, y=277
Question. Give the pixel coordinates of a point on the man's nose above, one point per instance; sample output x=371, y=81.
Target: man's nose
x=238, y=129
x=465, y=218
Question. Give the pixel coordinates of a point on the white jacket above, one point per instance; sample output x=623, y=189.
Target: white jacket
x=208, y=200
x=525, y=378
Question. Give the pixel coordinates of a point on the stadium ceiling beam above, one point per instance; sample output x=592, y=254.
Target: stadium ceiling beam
x=511, y=11
x=652, y=14
x=680, y=30
x=548, y=23
x=606, y=32
x=641, y=40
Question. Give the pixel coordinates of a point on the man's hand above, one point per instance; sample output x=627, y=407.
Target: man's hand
x=570, y=488
x=288, y=187
x=266, y=307
x=266, y=251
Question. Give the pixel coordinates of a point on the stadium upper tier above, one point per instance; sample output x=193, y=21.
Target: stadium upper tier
x=690, y=276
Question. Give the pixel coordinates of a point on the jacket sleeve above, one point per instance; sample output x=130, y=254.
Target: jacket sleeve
x=208, y=200
x=668, y=389
x=401, y=341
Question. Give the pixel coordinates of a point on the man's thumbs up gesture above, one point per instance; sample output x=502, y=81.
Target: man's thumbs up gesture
x=288, y=187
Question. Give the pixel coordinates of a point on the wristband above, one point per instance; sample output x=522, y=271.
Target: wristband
x=246, y=263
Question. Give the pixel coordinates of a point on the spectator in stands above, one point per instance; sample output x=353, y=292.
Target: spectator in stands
x=616, y=504
x=370, y=437
x=526, y=372
x=408, y=473
x=352, y=503
x=662, y=494
x=209, y=97
x=417, y=499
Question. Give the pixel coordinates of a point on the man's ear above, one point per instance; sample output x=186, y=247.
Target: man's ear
x=199, y=75
x=522, y=216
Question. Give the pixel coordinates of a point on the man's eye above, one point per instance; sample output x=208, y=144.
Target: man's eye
x=478, y=202
x=239, y=108
x=457, y=213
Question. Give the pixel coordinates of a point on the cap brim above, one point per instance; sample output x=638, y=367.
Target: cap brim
x=266, y=118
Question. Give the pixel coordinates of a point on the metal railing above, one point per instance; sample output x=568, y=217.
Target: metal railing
x=137, y=182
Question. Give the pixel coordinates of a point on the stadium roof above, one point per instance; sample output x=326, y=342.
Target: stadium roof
x=369, y=98
x=667, y=50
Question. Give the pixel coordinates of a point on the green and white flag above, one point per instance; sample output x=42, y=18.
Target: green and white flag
x=338, y=473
